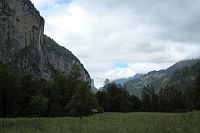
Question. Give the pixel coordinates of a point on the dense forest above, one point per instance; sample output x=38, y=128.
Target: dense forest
x=23, y=95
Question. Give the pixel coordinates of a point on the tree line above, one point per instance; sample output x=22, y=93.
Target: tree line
x=173, y=98
x=115, y=98
x=26, y=96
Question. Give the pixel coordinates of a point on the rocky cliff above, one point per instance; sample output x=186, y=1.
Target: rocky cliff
x=24, y=45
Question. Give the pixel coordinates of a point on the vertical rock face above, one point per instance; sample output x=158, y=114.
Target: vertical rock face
x=21, y=26
x=24, y=45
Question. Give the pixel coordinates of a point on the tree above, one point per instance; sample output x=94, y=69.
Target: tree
x=102, y=99
x=125, y=104
x=155, y=103
x=146, y=102
x=113, y=94
x=197, y=103
x=114, y=98
x=8, y=90
x=65, y=87
x=106, y=82
x=135, y=103
x=190, y=96
x=26, y=91
x=82, y=102
x=54, y=104
x=171, y=100
x=147, y=93
x=39, y=104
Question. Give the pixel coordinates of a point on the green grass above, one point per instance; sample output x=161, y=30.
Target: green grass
x=107, y=123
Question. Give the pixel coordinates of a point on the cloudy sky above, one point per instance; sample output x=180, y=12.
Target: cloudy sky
x=119, y=38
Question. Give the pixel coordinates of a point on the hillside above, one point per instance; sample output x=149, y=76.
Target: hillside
x=122, y=81
x=160, y=79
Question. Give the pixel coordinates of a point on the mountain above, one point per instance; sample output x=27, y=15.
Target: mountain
x=93, y=88
x=122, y=81
x=159, y=79
x=24, y=45
x=184, y=78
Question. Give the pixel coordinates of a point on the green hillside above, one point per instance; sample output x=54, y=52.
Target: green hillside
x=161, y=79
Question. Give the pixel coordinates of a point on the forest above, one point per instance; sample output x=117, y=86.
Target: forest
x=23, y=95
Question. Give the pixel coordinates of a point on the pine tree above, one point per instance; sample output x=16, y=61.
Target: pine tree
x=39, y=105
x=82, y=102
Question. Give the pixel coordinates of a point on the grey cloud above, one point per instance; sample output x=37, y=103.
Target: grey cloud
x=178, y=20
x=131, y=31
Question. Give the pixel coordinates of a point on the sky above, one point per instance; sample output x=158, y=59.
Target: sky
x=119, y=38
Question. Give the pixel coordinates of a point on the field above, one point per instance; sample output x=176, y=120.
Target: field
x=107, y=123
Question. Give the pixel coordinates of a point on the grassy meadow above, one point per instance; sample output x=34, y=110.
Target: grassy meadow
x=107, y=123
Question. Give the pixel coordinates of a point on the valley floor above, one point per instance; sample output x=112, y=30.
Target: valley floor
x=108, y=123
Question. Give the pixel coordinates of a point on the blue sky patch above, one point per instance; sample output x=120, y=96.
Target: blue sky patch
x=59, y=2
x=120, y=65
x=64, y=1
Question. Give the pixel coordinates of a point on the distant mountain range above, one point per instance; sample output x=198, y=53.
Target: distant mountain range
x=180, y=73
x=122, y=81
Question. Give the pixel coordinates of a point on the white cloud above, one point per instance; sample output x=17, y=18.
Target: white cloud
x=146, y=34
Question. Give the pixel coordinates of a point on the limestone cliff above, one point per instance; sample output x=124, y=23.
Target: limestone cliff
x=24, y=45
